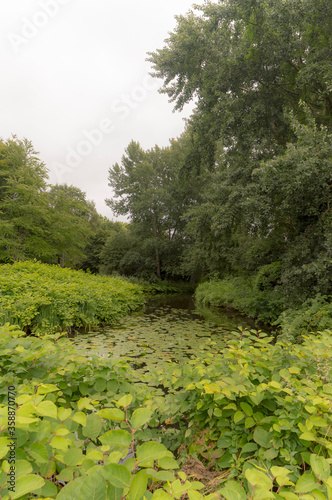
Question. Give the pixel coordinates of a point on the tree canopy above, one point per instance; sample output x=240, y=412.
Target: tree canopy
x=39, y=221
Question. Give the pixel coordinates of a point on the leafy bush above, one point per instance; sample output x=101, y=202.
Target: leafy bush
x=253, y=296
x=257, y=404
x=91, y=428
x=41, y=297
x=77, y=421
x=314, y=315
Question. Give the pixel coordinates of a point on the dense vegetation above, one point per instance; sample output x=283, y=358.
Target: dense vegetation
x=243, y=196
x=259, y=412
x=43, y=298
x=240, y=205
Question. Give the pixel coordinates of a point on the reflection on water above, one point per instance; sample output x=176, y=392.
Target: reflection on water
x=168, y=329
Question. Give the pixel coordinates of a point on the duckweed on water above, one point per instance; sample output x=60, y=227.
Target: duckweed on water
x=164, y=335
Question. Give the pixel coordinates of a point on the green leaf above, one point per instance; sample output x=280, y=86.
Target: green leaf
x=48, y=490
x=284, y=373
x=112, y=414
x=125, y=400
x=72, y=457
x=257, y=397
x=320, y=467
x=249, y=422
x=161, y=495
x=84, y=403
x=39, y=453
x=72, y=490
x=233, y=491
x=114, y=493
x=194, y=495
x=168, y=463
x=140, y=417
x=271, y=454
x=67, y=474
x=263, y=494
x=64, y=413
x=79, y=417
x=47, y=388
x=94, y=487
x=318, y=421
x=148, y=452
x=280, y=471
x=247, y=409
x=27, y=484
x=231, y=406
x=162, y=475
x=117, y=475
x=26, y=410
x=238, y=416
x=318, y=495
x=308, y=436
x=116, y=438
x=262, y=437
x=249, y=447
x=93, y=426
x=100, y=384
x=138, y=486
x=94, y=455
x=84, y=388
x=306, y=483
x=23, y=468
x=47, y=409
x=4, y=442
x=275, y=385
x=258, y=478
x=60, y=443
x=288, y=495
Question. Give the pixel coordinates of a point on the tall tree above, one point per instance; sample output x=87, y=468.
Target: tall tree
x=153, y=188
x=24, y=217
x=245, y=62
x=73, y=220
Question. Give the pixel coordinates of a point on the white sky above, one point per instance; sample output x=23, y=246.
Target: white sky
x=69, y=67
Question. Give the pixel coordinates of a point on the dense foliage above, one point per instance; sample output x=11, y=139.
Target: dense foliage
x=258, y=146
x=50, y=223
x=39, y=297
x=154, y=189
x=265, y=425
x=240, y=203
x=243, y=196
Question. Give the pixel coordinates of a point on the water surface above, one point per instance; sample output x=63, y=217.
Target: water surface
x=169, y=328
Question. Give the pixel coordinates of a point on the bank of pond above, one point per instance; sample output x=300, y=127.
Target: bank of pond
x=172, y=401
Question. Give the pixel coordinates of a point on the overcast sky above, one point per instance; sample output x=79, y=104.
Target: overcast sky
x=74, y=81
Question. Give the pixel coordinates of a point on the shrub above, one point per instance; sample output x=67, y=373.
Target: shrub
x=80, y=427
x=90, y=428
x=255, y=404
x=314, y=315
x=253, y=296
x=42, y=297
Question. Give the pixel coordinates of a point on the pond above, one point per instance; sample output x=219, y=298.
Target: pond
x=169, y=328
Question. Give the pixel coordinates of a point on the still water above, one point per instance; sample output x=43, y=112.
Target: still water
x=169, y=328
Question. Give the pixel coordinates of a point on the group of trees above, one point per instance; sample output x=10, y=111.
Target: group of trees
x=156, y=190
x=49, y=223
x=245, y=191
